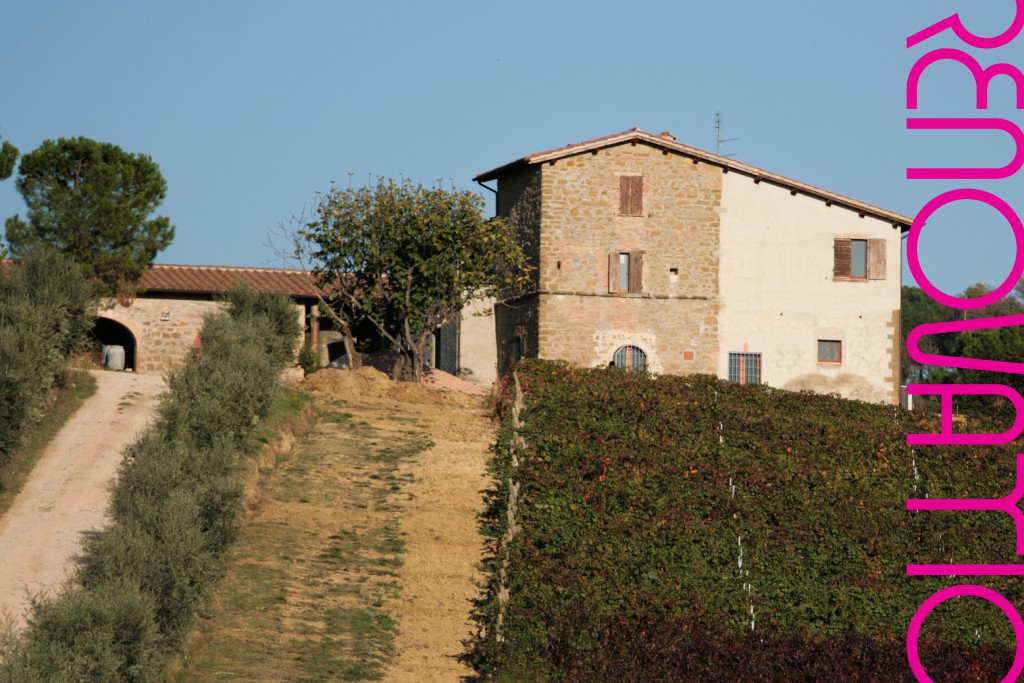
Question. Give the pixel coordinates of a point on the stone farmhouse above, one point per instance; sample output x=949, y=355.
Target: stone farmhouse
x=653, y=254
x=160, y=326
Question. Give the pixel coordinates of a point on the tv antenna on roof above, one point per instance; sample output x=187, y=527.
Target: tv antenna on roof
x=719, y=140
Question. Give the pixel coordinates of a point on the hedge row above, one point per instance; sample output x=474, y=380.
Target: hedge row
x=46, y=312
x=175, y=509
x=685, y=528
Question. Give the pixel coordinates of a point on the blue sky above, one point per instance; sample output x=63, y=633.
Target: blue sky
x=252, y=107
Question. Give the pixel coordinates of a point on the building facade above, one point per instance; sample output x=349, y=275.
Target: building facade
x=159, y=327
x=653, y=254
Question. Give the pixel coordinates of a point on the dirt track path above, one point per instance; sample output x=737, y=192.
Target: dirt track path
x=67, y=493
x=361, y=560
x=439, y=577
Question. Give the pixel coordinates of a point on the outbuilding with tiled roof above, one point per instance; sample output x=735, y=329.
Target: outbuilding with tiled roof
x=159, y=325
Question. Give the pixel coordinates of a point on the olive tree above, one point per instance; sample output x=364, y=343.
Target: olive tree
x=408, y=258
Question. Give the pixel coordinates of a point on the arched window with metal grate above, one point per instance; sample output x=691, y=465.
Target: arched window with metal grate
x=630, y=357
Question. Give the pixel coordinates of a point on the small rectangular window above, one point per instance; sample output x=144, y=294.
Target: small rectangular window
x=631, y=195
x=625, y=272
x=745, y=368
x=859, y=259
x=830, y=351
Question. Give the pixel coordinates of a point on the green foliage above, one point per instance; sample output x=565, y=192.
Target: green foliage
x=92, y=201
x=917, y=308
x=60, y=286
x=224, y=389
x=8, y=158
x=627, y=554
x=156, y=467
x=165, y=553
x=1005, y=344
x=175, y=510
x=309, y=360
x=102, y=634
x=46, y=312
x=409, y=258
x=276, y=313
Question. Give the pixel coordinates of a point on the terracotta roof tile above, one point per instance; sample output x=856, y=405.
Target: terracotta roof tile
x=213, y=279
x=668, y=142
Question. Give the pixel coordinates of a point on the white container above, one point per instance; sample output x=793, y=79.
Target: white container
x=114, y=358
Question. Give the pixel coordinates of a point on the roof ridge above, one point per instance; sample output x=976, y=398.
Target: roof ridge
x=263, y=269
x=667, y=141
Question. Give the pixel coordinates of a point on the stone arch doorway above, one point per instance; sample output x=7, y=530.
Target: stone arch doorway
x=108, y=332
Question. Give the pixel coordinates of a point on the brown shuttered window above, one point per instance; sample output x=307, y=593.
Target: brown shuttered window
x=631, y=195
x=876, y=259
x=625, y=272
x=636, y=266
x=843, y=258
x=859, y=259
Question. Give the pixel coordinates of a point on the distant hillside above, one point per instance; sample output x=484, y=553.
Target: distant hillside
x=686, y=528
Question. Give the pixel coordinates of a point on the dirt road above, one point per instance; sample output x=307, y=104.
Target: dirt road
x=67, y=493
x=361, y=560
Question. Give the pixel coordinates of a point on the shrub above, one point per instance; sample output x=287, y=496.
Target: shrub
x=165, y=553
x=656, y=512
x=275, y=314
x=309, y=360
x=153, y=468
x=46, y=311
x=59, y=285
x=175, y=508
x=106, y=633
x=224, y=389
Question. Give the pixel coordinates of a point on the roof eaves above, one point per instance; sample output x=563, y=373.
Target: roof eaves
x=666, y=143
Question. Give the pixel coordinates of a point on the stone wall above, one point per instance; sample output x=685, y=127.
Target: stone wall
x=516, y=321
x=674, y=316
x=516, y=330
x=165, y=328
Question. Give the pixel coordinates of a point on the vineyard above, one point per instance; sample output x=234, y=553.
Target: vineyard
x=685, y=528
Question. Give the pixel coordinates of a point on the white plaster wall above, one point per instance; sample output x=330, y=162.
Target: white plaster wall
x=478, y=345
x=778, y=295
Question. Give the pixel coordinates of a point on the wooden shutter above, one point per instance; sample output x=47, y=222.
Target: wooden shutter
x=631, y=195
x=876, y=259
x=843, y=266
x=613, y=272
x=636, y=269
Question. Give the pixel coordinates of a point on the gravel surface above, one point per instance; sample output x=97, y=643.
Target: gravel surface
x=67, y=494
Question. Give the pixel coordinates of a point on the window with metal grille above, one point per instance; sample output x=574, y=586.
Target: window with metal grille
x=745, y=368
x=859, y=259
x=631, y=195
x=830, y=351
x=630, y=357
x=625, y=272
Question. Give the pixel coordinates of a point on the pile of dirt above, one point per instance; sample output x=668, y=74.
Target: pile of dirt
x=368, y=382
x=439, y=379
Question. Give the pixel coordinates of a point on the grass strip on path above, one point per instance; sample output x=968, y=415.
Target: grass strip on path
x=310, y=577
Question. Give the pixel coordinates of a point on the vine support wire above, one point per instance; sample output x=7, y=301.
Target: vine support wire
x=741, y=573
